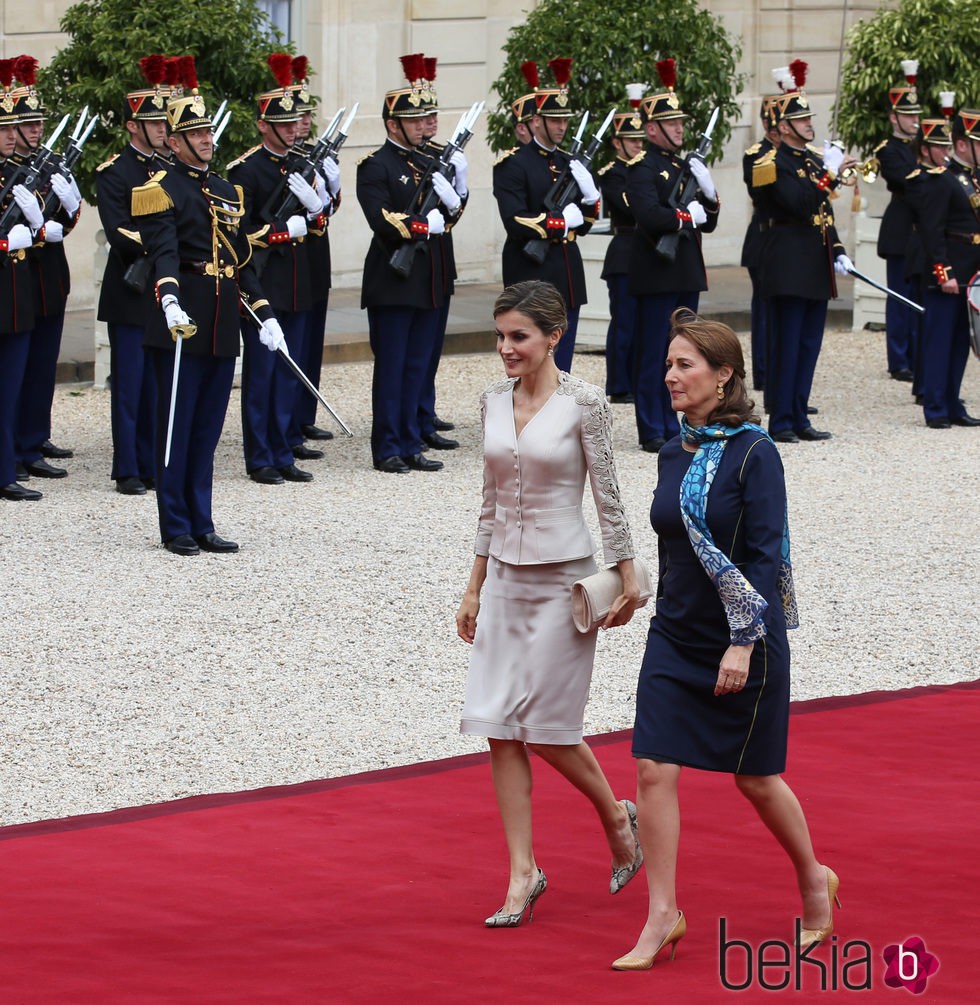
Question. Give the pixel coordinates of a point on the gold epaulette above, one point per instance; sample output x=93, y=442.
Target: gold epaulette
x=882, y=144
x=244, y=157
x=753, y=150
x=938, y=169
x=764, y=170
x=151, y=197
x=605, y=168
x=816, y=151
x=105, y=164
x=364, y=158
x=504, y=156
x=913, y=174
x=636, y=159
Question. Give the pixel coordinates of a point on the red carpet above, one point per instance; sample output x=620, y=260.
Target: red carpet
x=373, y=888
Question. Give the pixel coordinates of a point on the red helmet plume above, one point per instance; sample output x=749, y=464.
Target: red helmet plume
x=152, y=68
x=798, y=68
x=667, y=70
x=414, y=66
x=561, y=67
x=171, y=70
x=530, y=71
x=188, y=72
x=430, y=68
x=281, y=65
x=6, y=72
x=300, y=68
x=25, y=69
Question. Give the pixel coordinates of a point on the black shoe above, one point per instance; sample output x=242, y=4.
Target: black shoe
x=965, y=420
x=904, y=375
x=812, y=435
x=419, y=462
x=919, y=399
x=939, y=423
x=20, y=473
x=130, y=486
x=441, y=425
x=182, y=544
x=149, y=484
x=439, y=442
x=304, y=453
x=653, y=446
x=621, y=399
x=41, y=469
x=785, y=436
x=48, y=449
x=291, y=473
x=315, y=433
x=17, y=493
x=812, y=410
x=266, y=476
x=392, y=466
x=211, y=542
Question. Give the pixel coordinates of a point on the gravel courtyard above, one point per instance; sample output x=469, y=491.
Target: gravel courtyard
x=327, y=646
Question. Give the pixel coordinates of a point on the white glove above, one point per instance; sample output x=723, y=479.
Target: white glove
x=585, y=182
x=29, y=207
x=437, y=222
x=271, y=335
x=458, y=161
x=843, y=265
x=698, y=215
x=305, y=192
x=833, y=157
x=573, y=217
x=296, y=226
x=19, y=237
x=703, y=177
x=331, y=170
x=173, y=312
x=62, y=188
x=447, y=194
x=53, y=232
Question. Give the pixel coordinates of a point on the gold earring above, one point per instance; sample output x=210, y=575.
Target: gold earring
x=720, y=390
x=551, y=350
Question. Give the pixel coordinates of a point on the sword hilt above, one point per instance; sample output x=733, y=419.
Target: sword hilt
x=183, y=331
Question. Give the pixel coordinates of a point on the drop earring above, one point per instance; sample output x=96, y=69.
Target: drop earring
x=551, y=350
x=720, y=390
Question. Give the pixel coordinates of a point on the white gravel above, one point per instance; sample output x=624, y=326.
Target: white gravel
x=327, y=645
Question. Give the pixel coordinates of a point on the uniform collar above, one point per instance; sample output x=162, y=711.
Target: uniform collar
x=191, y=172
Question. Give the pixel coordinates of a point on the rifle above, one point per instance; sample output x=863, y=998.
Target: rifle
x=64, y=163
x=403, y=256
x=282, y=203
x=683, y=191
x=38, y=171
x=564, y=190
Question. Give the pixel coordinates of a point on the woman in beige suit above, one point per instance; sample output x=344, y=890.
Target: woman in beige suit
x=530, y=670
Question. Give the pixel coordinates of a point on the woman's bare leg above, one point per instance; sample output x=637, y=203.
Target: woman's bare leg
x=512, y=783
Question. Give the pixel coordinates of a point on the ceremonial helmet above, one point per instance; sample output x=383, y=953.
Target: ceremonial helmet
x=279, y=104
x=524, y=107
x=629, y=125
x=935, y=132
x=429, y=83
x=663, y=104
x=149, y=104
x=414, y=101
x=904, y=98
x=28, y=106
x=305, y=100
x=553, y=102
x=186, y=109
x=966, y=124
x=7, y=100
x=792, y=102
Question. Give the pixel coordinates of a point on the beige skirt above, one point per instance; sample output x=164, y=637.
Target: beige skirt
x=530, y=670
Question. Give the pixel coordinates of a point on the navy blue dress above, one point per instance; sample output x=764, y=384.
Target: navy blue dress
x=678, y=718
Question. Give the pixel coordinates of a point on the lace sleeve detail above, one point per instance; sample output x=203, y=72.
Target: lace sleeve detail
x=488, y=510
x=596, y=433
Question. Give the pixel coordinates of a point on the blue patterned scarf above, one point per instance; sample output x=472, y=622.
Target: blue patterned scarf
x=744, y=607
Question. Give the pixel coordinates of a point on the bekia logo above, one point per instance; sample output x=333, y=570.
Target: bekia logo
x=830, y=965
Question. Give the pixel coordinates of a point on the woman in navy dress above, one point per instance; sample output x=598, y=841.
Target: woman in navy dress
x=713, y=691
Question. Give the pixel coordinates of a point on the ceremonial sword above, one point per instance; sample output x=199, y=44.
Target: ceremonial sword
x=886, y=290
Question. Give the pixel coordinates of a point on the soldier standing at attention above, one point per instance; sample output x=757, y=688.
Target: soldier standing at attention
x=628, y=142
x=190, y=223
x=122, y=304
x=662, y=286
x=897, y=160
x=267, y=177
x=800, y=255
x=521, y=183
x=403, y=309
x=16, y=294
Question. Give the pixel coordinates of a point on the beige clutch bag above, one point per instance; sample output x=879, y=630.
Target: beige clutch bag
x=593, y=596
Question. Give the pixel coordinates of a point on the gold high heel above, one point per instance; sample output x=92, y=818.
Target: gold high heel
x=808, y=936
x=501, y=920
x=630, y=962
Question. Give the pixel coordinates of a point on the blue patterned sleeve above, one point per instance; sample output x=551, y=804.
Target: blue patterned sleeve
x=763, y=490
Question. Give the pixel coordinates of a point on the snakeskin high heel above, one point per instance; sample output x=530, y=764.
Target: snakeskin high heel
x=810, y=935
x=622, y=875
x=630, y=962
x=501, y=920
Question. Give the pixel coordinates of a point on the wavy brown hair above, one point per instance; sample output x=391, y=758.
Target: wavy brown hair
x=538, y=300
x=720, y=346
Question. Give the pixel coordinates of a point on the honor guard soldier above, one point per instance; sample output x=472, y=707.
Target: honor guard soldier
x=662, y=286
x=759, y=153
x=799, y=257
x=431, y=425
x=318, y=251
x=16, y=287
x=522, y=180
x=521, y=110
x=897, y=160
x=269, y=178
x=190, y=223
x=403, y=304
x=126, y=299
x=627, y=142
x=946, y=207
x=59, y=203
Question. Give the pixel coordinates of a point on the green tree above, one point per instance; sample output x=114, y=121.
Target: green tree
x=943, y=35
x=229, y=39
x=616, y=42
